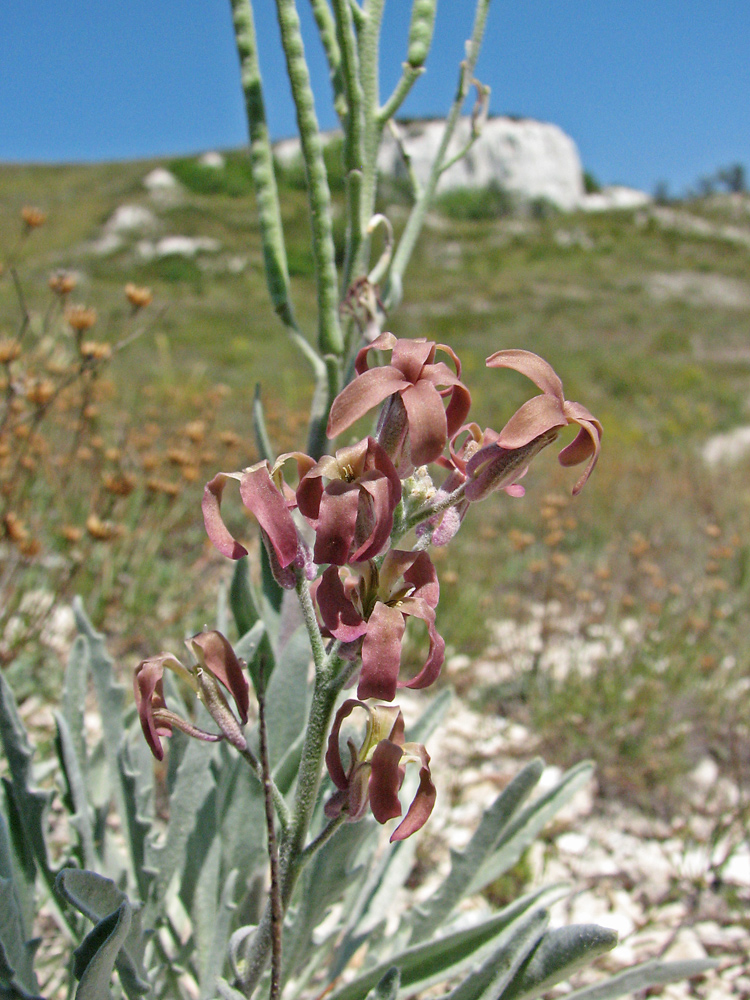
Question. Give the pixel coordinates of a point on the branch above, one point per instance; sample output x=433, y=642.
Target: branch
x=330, y=340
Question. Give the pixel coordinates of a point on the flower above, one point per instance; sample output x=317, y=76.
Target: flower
x=264, y=492
x=376, y=771
x=217, y=662
x=80, y=317
x=353, y=514
x=373, y=608
x=443, y=526
x=139, y=297
x=33, y=217
x=412, y=380
x=532, y=427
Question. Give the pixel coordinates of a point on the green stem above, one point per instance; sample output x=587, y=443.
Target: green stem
x=311, y=624
x=416, y=219
x=330, y=340
x=327, y=31
x=353, y=135
x=369, y=53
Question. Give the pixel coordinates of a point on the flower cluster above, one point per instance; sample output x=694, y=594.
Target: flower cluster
x=357, y=524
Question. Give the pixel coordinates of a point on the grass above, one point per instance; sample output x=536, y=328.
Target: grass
x=663, y=375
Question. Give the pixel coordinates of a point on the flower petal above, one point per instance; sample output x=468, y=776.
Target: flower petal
x=216, y=530
x=541, y=373
x=430, y=671
x=333, y=754
x=381, y=653
x=537, y=415
x=366, y=391
x=385, y=780
x=428, y=427
x=148, y=687
x=339, y=615
x=261, y=497
x=334, y=531
x=422, y=804
x=215, y=653
x=411, y=355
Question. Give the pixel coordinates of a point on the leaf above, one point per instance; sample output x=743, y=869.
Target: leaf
x=287, y=696
x=465, y=864
x=17, y=958
x=95, y=958
x=433, y=962
x=241, y=600
x=263, y=661
x=259, y=426
x=137, y=826
x=74, y=698
x=217, y=955
x=642, y=977
x=557, y=956
x=387, y=988
x=325, y=880
x=246, y=647
x=490, y=979
x=524, y=828
x=10, y=988
x=26, y=818
x=193, y=783
x=272, y=594
x=79, y=807
x=99, y=899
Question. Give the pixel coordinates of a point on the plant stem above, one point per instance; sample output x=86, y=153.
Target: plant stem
x=329, y=332
x=409, y=237
x=277, y=916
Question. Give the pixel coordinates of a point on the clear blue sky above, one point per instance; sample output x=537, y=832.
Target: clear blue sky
x=650, y=90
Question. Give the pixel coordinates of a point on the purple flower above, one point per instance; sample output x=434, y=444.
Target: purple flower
x=217, y=664
x=373, y=607
x=417, y=385
x=353, y=513
x=376, y=771
x=264, y=492
x=532, y=427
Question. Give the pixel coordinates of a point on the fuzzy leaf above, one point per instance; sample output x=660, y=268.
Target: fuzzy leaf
x=490, y=979
x=246, y=647
x=643, y=977
x=433, y=962
x=557, y=956
x=464, y=864
x=17, y=953
x=323, y=883
x=431, y=718
x=241, y=599
x=193, y=783
x=26, y=818
x=74, y=698
x=287, y=696
x=102, y=902
x=79, y=807
x=217, y=953
x=262, y=439
x=95, y=958
x=524, y=828
x=137, y=826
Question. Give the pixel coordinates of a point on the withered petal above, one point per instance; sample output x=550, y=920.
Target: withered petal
x=216, y=530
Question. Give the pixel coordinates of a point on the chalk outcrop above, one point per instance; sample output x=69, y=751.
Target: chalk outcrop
x=528, y=158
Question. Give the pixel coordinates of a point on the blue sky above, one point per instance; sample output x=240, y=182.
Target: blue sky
x=650, y=90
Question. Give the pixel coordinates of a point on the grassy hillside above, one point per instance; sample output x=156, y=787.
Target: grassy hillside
x=645, y=317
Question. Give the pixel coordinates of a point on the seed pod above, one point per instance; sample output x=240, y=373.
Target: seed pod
x=420, y=32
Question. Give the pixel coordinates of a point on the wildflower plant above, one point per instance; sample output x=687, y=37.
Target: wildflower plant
x=265, y=873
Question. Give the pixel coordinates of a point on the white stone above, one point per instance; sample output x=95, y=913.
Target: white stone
x=182, y=246
x=160, y=179
x=130, y=218
x=727, y=448
x=525, y=157
x=685, y=947
x=106, y=244
x=614, y=197
x=212, y=160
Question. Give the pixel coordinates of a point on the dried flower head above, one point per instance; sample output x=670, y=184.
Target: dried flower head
x=40, y=392
x=96, y=350
x=139, y=297
x=80, y=318
x=119, y=484
x=10, y=349
x=62, y=283
x=33, y=217
x=15, y=529
x=102, y=531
